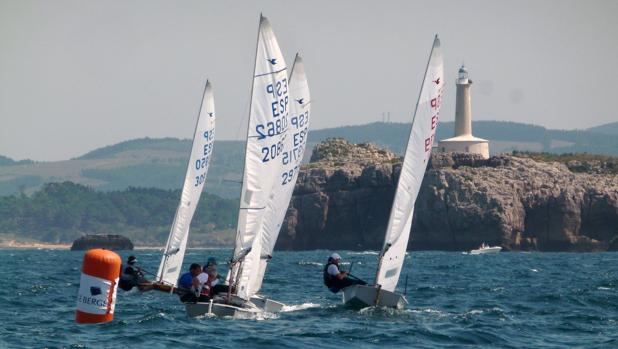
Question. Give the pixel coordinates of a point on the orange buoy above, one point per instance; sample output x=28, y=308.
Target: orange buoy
x=97, y=287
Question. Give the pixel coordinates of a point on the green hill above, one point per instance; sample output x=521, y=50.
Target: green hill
x=504, y=137
x=161, y=163
x=610, y=129
x=141, y=144
x=61, y=212
x=4, y=160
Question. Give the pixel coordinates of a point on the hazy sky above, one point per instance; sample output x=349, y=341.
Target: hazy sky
x=77, y=75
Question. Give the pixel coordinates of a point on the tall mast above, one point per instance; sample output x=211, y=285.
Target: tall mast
x=169, y=238
x=242, y=189
x=387, y=244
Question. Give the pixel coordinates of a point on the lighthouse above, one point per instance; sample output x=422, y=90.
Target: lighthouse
x=463, y=141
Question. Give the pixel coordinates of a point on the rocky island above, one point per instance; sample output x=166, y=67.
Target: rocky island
x=344, y=195
x=110, y=242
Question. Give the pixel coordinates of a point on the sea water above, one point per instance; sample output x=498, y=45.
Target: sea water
x=505, y=300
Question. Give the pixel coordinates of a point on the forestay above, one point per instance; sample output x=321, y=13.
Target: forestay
x=417, y=154
x=195, y=177
x=268, y=121
x=294, y=149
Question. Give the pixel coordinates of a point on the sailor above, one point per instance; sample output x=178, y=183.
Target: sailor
x=335, y=279
x=212, y=283
x=132, y=276
x=185, y=283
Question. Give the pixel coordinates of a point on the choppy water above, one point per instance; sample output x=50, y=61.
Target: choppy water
x=517, y=300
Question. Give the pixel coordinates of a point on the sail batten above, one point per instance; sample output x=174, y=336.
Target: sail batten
x=275, y=72
x=195, y=177
x=418, y=150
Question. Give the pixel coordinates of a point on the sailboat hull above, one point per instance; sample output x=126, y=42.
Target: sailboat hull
x=237, y=307
x=219, y=309
x=362, y=296
x=267, y=305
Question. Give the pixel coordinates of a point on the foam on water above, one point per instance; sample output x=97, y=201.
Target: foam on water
x=289, y=308
x=317, y=264
x=364, y=253
x=258, y=316
x=427, y=311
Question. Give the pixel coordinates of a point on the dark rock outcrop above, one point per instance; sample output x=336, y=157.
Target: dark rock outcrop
x=110, y=242
x=343, y=198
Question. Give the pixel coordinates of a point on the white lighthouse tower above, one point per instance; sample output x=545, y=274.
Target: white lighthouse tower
x=463, y=140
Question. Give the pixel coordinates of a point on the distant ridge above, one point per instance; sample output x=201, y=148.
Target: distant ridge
x=506, y=136
x=610, y=129
x=167, y=143
x=4, y=160
x=161, y=162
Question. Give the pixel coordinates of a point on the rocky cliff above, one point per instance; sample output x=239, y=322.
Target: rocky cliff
x=344, y=195
x=110, y=242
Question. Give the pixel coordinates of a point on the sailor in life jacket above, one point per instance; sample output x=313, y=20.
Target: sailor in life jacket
x=335, y=279
x=185, y=284
x=209, y=281
x=133, y=276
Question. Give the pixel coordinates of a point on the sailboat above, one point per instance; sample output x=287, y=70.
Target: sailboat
x=418, y=150
x=195, y=177
x=270, y=171
x=294, y=145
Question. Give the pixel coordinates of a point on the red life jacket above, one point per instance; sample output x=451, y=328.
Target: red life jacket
x=207, y=286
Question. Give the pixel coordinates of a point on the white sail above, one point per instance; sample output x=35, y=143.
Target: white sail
x=195, y=177
x=268, y=121
x=415, y=161
x=295, y=142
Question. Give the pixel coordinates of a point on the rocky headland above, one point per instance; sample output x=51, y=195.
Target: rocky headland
x=110, y=242
x=344, y=195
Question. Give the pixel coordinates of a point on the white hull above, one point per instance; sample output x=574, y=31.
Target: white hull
x=218, y=309
x=493, y=249
x=236, y=308
x=362, y=296
x=267, y=305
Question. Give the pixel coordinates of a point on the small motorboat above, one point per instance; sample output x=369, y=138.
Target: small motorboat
x=486, y=249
